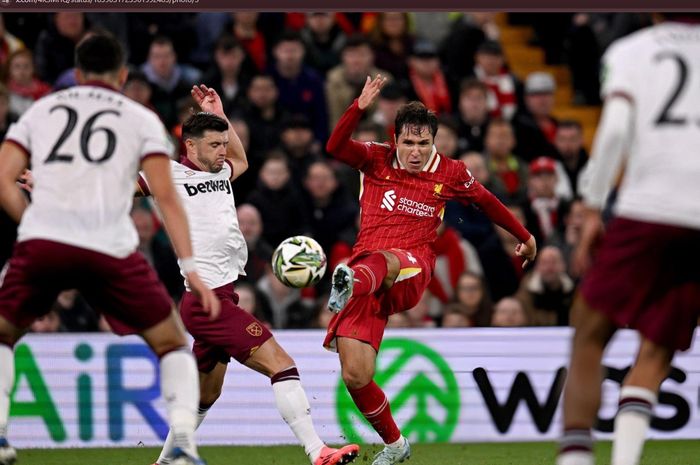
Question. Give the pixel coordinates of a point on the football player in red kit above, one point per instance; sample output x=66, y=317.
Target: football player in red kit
x=404, y=189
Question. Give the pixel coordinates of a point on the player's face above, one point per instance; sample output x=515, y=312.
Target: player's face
x=413, y=146
x=211, y=150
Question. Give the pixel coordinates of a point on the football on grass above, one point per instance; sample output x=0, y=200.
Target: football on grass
x=299, y=261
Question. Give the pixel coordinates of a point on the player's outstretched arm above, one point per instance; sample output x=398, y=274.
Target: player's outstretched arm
x=14, y=163
x=340, y=143
x=157, y=171
x=208, y=100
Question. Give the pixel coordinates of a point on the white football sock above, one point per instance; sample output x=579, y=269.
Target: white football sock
x=398, y=443
x=165, y=454
x=631, y=424
x=575, y=458
x=7, y=379
x=294, y=407
x=180, y=388
x=576, y=447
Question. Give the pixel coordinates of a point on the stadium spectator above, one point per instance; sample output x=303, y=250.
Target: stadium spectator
x=8, y=42
x=344, y=82
x=547, y=292
x=573, y=229
x=392, y=42
x=278, y=201
x=289, y=308
x=391, y=98
x=472, y=300
x=535, y=127
x=504, y=88
x=226, y=76
x=48, y=323
x=259, y=250
x=87, y=239
x=75, y=313
x=453, y=256
x=569, y=144
x=507, y=172
x=300, y=87
x=166, y=77
x=297, y=143
x=508, y=313
x=459, y=47
x=473, y=115
x=55, y=47
x=446, y=140
x=433, y=26
x=138, y=88
x=471, y=223
x=324, y=40
x=25, y=88
x=244, y=27
x=455, y=317
x=368, y=289
x=264, y=114
x=502, y=269
x=156, y=248
x=331, y=211
x=546, y=209
x=425, y=81
x=209, y=27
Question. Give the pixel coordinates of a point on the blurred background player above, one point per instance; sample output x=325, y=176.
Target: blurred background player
x=214, y=157
x=405, y=187
x=86, y=145
x=645, y=274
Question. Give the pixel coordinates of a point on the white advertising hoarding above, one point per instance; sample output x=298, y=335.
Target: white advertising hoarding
x=457, y=385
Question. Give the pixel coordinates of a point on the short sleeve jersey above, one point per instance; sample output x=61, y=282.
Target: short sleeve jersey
x=658, y=70
x=85, y=146
x=219, y=247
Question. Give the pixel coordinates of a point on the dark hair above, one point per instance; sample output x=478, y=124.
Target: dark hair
x=276, y=155
x=570, y=124
x=226, y=43
x=415, y=114
x=471, y=84
x=356, y=40
x=449, y=122
x=200, y=122
x=99, y=54
x=289, y=36
x=162, y=40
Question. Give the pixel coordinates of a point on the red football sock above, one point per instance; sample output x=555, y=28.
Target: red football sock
x=370, y=271
x=374, y=405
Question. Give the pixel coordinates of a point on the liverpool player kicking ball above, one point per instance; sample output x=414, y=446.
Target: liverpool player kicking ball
x=404, y=189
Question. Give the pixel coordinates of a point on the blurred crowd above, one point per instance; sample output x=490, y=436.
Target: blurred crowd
x=286, y=78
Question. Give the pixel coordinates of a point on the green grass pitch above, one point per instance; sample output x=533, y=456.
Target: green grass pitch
x=655, y=453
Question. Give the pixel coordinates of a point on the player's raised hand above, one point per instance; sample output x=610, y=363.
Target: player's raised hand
x=208, y=100
x=370, y=91
x=527, y=250
x=210, y=302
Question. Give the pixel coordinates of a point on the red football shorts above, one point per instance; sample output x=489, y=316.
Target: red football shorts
x=364, y=318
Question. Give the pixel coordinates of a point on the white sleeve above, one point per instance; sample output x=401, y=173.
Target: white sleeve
x=618, y=71
x=612, y=141
x=155, y=138
x=20, y=132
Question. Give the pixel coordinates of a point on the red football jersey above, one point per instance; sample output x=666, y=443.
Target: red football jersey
x=403, y=210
